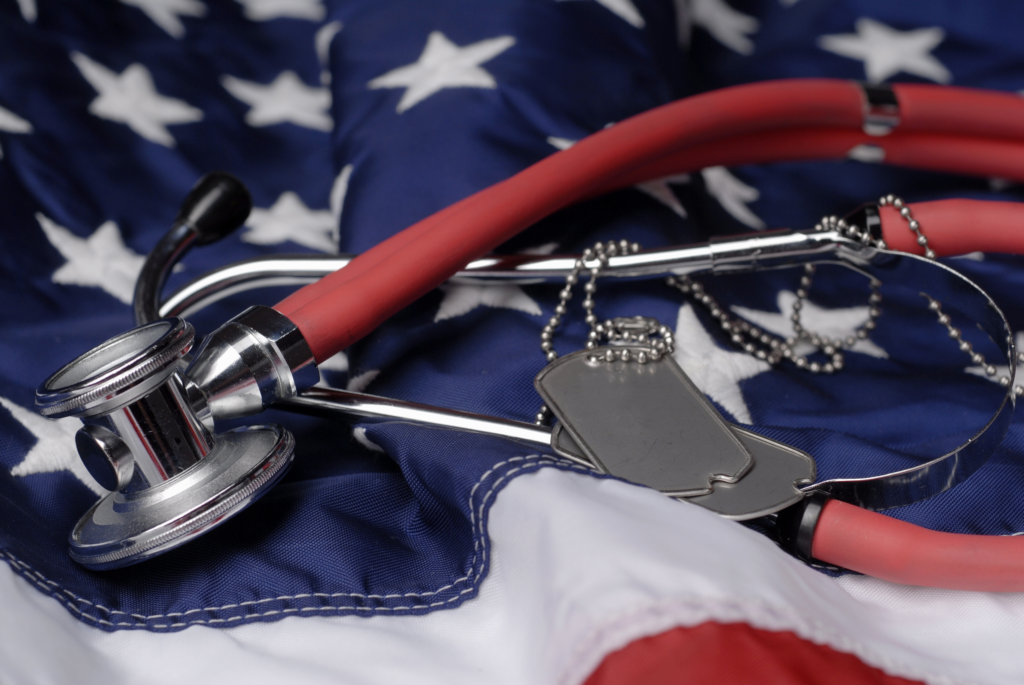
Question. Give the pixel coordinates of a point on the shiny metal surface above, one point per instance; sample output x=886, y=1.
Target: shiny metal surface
x=163, y=432
x=768, y=249
x=958, y=293
x=155, y=270
x=881, y=109
x=146, y=438
x=217, y=205
x=644, y=422
x=353, y=406
x=772, y=484
x=255, y=359
x=106, y=456
x=126, y=528
x=116, y=372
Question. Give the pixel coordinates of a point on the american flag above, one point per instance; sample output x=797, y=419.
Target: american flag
x=393, y=553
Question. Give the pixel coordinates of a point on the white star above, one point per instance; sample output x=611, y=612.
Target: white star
x=55, y=446
x=323, y=39
x=716, y=371
x=683, y=26
x=733, y=194
x=359, y=384
x=543, y=249
x=561, y=143
x=886, y=51
x=443, y=64
x=286, y=99
x=833, y=323
x=290, y=219
x=131, y=98
x=999, y=184
x=657, y=189
x=660, y=191
x=359, y=433
x=264, y=10
x=461, y=299
x=336, y=364
x=726, y=25
x=12, y=123
x=971, y=256
x=362, y=381
x=99, y=261
x=624, y=9
x=167, y=13
x=338, y=192
x=28, y=10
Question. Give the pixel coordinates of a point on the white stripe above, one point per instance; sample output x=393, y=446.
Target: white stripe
x=580, y=567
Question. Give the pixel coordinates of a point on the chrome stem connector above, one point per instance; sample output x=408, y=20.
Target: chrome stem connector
x=255, y=359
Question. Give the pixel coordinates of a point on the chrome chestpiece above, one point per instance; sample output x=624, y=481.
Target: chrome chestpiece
x=148, y=437
x=149, y=434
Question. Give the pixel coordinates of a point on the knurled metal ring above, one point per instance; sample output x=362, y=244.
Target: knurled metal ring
x=117, y=372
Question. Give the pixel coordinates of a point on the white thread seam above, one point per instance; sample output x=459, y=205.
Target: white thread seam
x=475, y=573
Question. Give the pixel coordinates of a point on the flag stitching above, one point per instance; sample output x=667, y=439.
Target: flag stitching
x=477, y=522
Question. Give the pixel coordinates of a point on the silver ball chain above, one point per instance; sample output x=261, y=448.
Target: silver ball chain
x=897, y=202
x=657, y=339
x=639, y=339
x=835, y=223
x=773, y=349
x=599, y=253
x=756, y=342
x=936, y=306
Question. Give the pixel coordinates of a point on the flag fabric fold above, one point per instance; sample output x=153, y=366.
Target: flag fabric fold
x=391, y=552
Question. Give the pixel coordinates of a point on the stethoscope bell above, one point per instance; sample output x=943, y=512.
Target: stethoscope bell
x=148, y=438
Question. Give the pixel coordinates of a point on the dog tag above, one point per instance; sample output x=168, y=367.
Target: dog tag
x=647, y=423
x=771, y=484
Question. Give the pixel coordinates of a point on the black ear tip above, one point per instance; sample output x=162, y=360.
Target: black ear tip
x=217, y=205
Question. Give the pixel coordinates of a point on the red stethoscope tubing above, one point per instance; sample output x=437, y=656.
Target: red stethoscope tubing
x=956, y=227
x=720, y=125
x=941, y=128
x=885, y=548
x=993, y=157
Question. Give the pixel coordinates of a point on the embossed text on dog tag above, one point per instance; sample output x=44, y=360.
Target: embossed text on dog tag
x=647, y=423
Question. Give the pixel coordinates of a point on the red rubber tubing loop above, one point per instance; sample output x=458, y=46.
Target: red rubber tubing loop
x=900, y=552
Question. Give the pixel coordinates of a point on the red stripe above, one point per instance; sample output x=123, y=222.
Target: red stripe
x=734, y=654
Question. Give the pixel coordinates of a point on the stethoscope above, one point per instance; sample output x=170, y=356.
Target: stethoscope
x=149, y=419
